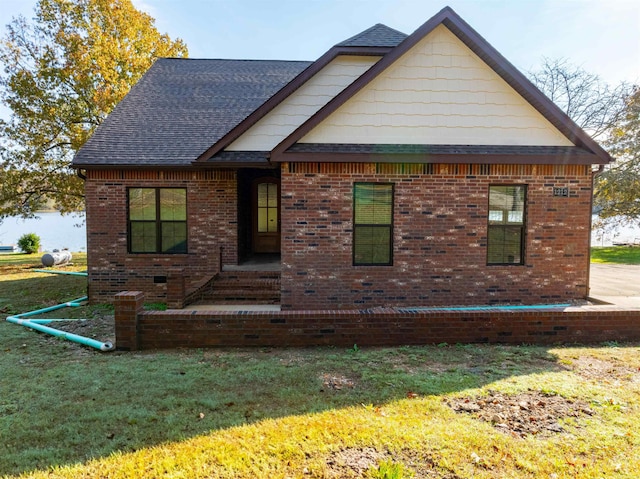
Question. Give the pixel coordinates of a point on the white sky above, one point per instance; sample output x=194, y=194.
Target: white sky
x=602, y=36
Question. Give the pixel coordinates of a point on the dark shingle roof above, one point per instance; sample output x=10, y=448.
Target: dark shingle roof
x=240, y=158
x=378, y=35
x=181, y=107
x=433, y=153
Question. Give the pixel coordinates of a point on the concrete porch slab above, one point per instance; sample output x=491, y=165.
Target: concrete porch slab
x=232, y=307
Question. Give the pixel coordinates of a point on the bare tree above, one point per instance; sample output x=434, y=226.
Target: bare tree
x=593, y=104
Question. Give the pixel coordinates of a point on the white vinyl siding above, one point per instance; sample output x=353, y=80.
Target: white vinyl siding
x=439, y=92
x=303, y=103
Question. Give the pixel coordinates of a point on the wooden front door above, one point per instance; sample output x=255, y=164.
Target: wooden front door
x=266, y=215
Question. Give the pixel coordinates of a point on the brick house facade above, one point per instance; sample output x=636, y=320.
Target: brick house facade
x=439, y=236
x=419, y=170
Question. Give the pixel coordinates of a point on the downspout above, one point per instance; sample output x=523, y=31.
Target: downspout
x=36, y=325
x=594, y=175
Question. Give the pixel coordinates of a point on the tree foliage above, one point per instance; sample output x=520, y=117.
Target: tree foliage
x=618, y=188
x=589, y=101
x=610, y=115
x=63, y=72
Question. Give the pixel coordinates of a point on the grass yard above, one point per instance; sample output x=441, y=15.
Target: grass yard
x=616, y=254
x=437, y=412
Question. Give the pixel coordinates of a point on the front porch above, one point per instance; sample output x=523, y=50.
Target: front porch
x=253, y=284
x=139, y=329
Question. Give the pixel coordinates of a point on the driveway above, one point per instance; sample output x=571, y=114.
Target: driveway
x=616, y=283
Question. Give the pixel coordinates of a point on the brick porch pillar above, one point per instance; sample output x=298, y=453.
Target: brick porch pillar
x=176, y=291
x=128, y=305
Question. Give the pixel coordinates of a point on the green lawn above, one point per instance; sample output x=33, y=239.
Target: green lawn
x=68, y=411
x=616, y=254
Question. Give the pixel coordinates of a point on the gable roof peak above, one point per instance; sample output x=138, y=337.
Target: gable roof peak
x=378, y=35
x=480, y=47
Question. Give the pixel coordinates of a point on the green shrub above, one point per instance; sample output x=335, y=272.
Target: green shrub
x=29, y=243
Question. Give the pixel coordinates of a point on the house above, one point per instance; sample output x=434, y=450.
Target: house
x=395, y=170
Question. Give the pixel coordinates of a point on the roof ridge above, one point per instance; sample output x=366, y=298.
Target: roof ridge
x=235, y=60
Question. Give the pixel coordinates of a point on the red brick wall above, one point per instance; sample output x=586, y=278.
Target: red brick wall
x=378, y=327
x=211, y=208
x=440, y=236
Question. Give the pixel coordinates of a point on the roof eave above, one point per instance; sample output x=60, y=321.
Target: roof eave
x=129, y=166
x=467, y=158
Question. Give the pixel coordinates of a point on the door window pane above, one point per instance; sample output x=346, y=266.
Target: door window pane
x=267, y=207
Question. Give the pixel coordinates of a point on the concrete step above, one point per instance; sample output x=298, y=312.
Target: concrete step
x=250, y=287
x=260, y=284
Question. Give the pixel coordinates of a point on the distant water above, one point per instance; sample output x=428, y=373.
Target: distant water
x=55, y=231
x=606, y=237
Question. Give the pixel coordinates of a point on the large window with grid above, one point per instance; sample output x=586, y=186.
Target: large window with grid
x=372, y=224
x=157, y=220
x=505, y=235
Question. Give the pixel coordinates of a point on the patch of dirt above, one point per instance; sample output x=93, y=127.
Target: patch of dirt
x=604, y=371
x=355, y=462
x=101, y=327
x=529, y=413
x=336, y=383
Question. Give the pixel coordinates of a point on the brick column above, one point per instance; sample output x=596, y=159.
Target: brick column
x=175, y=288
x=128, y=305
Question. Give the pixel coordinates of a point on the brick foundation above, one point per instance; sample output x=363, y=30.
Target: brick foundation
x=375, y=327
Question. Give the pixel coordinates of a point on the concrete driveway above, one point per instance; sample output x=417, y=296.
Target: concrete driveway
x=616, y=283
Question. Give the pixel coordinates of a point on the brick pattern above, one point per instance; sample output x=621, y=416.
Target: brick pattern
x=212, y=224
x=128, y=306
x=440, y=236
x=374, y=327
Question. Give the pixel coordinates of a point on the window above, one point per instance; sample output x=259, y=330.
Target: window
x=267, y=207
x=372, y=223
x=505, y=242
x=157, y=220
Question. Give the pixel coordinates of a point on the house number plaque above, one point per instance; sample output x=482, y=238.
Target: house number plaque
x=561, y=191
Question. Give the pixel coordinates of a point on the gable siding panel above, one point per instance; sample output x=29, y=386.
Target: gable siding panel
x=302, y=104
x=439, y=92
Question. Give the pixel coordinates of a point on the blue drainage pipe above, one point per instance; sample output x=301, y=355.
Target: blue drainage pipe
x=73, y=273
x=36, y=325
x=488, y=308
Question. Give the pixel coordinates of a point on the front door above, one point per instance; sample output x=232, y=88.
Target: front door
x=266, y=215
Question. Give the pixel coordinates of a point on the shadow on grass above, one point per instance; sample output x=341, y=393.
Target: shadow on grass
x=62, y=404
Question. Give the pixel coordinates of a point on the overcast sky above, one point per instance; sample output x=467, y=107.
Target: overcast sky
x=602, y=36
